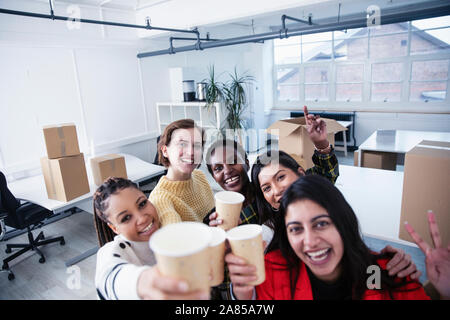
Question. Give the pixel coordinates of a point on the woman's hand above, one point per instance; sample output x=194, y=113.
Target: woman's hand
x=317, y=129
x=152, y=285
x=437, y=259
x=213, y=221
x=401, y=264
x=241, y=274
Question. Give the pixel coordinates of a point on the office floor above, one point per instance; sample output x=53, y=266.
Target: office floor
x=53, y=280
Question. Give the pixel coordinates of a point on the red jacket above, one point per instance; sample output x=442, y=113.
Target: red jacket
x=277, y=284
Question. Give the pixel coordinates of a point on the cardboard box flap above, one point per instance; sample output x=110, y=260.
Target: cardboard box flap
x=333, y=126
x=285, y=128
x=434, y=144
x=432, y=148
x=58, y=125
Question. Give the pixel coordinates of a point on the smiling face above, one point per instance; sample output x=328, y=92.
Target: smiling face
x=130, y=214
x=228, y=170
x=184, y=153
x=315, y=239
x=274, y=179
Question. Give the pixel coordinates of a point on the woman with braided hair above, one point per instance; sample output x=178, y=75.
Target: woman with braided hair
x=125, y=220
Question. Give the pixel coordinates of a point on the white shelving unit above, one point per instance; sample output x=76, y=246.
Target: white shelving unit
x=168, y=112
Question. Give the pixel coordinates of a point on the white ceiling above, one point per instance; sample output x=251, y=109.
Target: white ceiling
x=116, y=4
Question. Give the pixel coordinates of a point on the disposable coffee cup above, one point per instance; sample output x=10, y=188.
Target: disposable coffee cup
x=217, y=255
x=246, y=242
x=182, y=251
x=228, y=208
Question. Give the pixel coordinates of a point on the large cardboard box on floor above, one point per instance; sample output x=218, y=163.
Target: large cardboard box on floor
x=293, y=138
x=377, y=160
x=61, y=140
x=111, y=165
x=65, y=178
x=426, y=186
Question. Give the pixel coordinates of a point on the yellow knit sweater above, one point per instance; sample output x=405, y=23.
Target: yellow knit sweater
x=177, y=201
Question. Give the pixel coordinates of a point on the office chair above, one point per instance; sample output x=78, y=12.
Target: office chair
x=22, y=215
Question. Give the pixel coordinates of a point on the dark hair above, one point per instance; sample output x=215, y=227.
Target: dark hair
x=111, y=186
x=249, y=192
x=357, y=256
x=166, y=137
x=225, y=143
x=265, y=211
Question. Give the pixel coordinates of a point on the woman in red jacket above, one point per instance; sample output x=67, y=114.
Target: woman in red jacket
x=321, y=255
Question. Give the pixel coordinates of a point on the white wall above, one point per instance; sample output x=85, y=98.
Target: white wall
x=51, y=74
x=246, y=58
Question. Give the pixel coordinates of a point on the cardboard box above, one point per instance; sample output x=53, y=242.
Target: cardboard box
x=111, y=165
x=293, y=138
x=377, y=160
x=65, y=178
x=61, y=140
x=426, y=185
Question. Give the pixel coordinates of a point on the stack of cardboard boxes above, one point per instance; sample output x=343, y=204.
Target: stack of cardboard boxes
x=63, y=169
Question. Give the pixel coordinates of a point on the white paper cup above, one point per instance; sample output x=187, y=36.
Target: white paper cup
x=228, y=208
x=246, y=242
x=217, y=255
x=182, y=251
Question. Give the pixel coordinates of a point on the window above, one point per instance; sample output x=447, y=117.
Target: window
x=403, y=65
x=429, y=80
x=316, y=47
x=349, y=82
x=316, y=83
x=386, y=41
x=351, y=44
x=430, y=36
x=387, y=81
x=288, y=50
x=288, y=80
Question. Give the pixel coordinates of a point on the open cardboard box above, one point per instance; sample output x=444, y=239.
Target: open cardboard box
x=293, y=138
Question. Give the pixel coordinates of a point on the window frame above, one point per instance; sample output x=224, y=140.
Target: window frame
x=404, y=105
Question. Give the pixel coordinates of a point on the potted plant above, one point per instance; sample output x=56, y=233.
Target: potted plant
x=213, y=88
x=235, y=98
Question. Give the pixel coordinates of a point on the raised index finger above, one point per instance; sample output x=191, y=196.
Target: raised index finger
x=306, y=114
x=417, y=239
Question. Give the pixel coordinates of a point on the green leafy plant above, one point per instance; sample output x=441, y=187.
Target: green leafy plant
x=235, y=98
x=213, y=88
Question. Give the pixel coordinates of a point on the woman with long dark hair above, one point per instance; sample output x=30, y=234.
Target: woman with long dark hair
x=320, y=253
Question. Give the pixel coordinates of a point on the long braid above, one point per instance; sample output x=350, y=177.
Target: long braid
x=111, y=186
x=104, y=233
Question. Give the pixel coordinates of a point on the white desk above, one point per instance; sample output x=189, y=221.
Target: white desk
x=33, y=189
x=376, y=197
x=344, y=136
x=398, y=141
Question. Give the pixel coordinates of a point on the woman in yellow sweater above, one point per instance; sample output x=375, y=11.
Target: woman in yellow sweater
x=184, y=193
